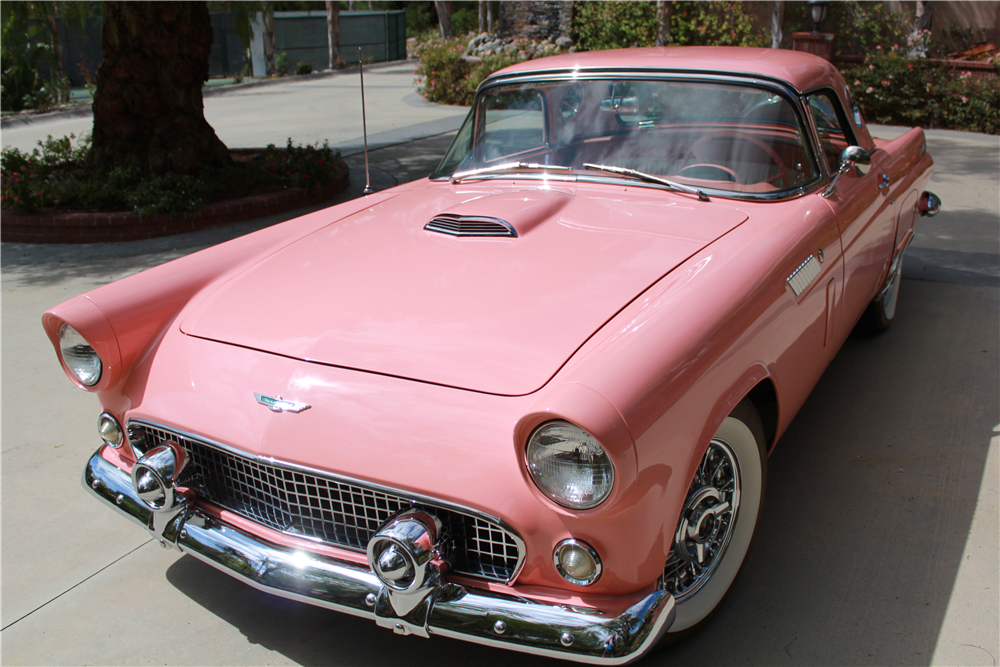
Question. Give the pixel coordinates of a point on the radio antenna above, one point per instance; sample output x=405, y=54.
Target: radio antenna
x=364, y=124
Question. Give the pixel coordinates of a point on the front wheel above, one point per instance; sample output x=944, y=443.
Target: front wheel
x=719, y=519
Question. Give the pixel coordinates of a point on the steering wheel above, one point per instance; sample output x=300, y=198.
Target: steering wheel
x=695, y=152
x=700, y=169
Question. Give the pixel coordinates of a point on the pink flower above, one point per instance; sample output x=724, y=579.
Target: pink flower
x=878, y=48
x=964, y=99
x=870, y=89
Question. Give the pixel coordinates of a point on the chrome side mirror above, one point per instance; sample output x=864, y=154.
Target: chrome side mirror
x=850, y=157
x=853, y=155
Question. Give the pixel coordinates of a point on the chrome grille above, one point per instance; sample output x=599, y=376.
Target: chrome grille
x=339, y=512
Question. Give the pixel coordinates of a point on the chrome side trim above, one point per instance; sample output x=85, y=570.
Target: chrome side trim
x=592, y=636
x=801, y=277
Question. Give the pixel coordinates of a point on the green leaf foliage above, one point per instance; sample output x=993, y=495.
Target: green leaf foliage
x=892, y=89
x=56, y=175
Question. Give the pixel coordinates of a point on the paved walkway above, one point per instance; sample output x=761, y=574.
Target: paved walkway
x=879, y=539
x=308, y=109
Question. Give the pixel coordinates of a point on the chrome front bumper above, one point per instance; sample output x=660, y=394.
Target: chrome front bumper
x=612, y=637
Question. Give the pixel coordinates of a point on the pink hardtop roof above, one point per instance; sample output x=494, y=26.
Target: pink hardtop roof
x=803, y=71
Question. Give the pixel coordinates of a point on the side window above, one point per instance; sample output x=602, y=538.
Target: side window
x=835, y=134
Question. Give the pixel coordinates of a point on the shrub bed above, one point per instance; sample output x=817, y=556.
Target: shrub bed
x=56, y=177
x=445, y=75
x=895, y=90
x=889, y=87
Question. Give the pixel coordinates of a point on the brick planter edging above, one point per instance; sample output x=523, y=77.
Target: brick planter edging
x=111, y=227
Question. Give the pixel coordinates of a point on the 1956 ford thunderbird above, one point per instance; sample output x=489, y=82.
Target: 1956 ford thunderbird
x=527, y=401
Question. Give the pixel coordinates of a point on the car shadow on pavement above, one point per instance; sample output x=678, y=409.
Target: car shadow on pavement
x=309, y=635
x=869, y=505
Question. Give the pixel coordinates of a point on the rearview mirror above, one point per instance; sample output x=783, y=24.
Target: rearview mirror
x=628, y=106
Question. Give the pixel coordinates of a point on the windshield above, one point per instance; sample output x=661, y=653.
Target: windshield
x=723, y=137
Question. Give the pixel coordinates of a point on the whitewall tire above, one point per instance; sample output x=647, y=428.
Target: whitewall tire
x=719, y=519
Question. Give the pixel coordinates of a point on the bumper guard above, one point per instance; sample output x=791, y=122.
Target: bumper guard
x=484, y=617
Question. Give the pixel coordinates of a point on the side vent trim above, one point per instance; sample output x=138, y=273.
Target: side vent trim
x=470, y=225
x=804, y=275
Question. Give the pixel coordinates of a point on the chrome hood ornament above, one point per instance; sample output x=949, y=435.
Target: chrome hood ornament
x=278, y=404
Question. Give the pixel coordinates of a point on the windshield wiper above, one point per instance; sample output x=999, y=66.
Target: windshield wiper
x=649, y=178
x=507, y=166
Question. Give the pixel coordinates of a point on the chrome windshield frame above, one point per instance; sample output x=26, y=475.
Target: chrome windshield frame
x=782, y=88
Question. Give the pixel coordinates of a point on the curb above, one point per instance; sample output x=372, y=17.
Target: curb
x=111, y=227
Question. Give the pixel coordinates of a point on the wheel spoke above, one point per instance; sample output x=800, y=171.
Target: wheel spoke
x=706, y=523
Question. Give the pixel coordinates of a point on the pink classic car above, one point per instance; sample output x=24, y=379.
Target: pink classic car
x=528, y=401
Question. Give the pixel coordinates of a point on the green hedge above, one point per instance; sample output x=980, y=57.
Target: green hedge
x=445, y=77
x=56, y=174
x=888, y=87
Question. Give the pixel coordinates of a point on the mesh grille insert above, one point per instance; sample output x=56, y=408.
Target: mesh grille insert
x=337, y=512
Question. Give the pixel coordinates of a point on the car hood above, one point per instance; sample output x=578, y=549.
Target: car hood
x=378, y=292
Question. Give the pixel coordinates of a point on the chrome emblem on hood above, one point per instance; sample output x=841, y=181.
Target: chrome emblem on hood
x=278, y=404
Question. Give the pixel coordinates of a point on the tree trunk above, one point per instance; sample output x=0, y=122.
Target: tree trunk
x=57, y=67
x=444, y=17
x=482, y=16
x=333, y=32
x=663, y=12
x=269, y=50
x=922, y=21
x=148, y=105
x=777, y=23
x=489, y=16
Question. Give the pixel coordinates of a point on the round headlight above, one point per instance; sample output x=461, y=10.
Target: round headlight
x=79, y=357
x=569, y=465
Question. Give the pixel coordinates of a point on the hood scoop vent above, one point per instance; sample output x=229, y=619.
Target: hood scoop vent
x=470, y=225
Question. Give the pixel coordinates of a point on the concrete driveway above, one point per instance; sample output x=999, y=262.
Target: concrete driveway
x=878, y=543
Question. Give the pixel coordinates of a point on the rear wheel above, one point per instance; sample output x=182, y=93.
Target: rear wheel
x=719, y=520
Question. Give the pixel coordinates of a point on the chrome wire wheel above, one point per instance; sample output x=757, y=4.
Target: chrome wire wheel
x=718, y=519
x=706, y=524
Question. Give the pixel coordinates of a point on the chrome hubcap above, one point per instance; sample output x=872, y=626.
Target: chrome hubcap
x=706, y=523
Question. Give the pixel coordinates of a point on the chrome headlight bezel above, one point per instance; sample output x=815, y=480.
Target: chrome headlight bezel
x=569, y=465
x=79, y=357
x=569, y=554
x=110, y=430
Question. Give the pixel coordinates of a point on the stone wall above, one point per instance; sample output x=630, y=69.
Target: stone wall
x=535, y=19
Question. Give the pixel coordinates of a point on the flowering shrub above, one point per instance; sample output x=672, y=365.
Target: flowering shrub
x=893, y=89
x=56, y=175
x=36, y=180
x=864, y=27
x=445, y=77
x=715, y=24
x=310, y=166
x=615, y=25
